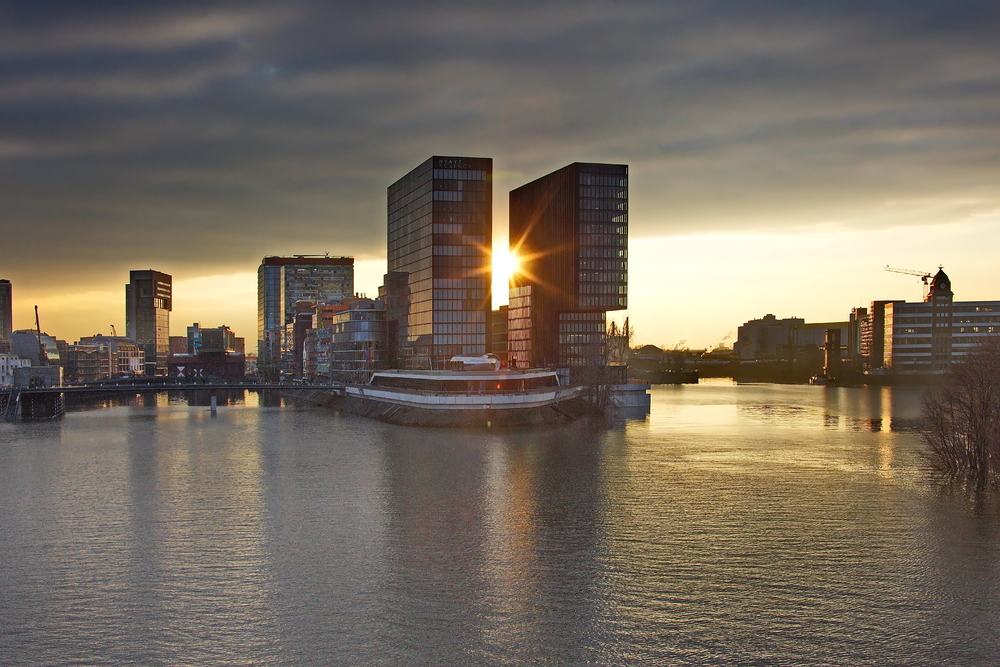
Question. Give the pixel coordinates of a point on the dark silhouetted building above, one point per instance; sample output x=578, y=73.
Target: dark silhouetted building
x=569, y=230
x=438, y=291
x=281, y=283
x=6, y=314
x=148, y=302
x=215, y=353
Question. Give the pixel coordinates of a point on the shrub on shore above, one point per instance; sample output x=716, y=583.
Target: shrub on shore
x=962, y=418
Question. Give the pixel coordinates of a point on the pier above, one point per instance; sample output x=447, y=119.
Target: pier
x=44, y=403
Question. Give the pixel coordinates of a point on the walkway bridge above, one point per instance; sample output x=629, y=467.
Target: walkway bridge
x=39, y=403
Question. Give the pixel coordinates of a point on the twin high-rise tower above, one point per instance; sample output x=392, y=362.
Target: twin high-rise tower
x=569, y=230
x=438, y=289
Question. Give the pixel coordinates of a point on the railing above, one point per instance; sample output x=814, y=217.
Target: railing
x=136, y=388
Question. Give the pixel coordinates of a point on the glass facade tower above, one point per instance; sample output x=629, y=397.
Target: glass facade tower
x=570, y=232
x=284, y=281
x=148, y=302
x=440, y=227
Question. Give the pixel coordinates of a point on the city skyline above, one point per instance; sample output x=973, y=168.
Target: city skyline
x=779, y=158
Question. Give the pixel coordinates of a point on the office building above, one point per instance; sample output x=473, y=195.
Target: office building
x=281, y=283
x=101, y=357
x=569, y=230
x=6, y=313
x=924, y=338
x=209, y=353
x=8, y=362
x=148, y=302
x=438, y=289
x=40, y=350
x=771, y=339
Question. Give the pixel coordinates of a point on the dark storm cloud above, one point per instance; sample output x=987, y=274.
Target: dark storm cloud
x=201, y=133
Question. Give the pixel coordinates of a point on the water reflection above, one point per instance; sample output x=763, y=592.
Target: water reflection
x=733, y=525
x=833, y=408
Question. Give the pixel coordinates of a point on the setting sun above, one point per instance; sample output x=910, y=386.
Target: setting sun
x=504, y=265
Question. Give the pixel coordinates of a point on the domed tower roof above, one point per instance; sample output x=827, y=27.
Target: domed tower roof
x=940, y=286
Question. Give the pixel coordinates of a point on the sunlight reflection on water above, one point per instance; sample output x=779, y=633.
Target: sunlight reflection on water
x=750, y=524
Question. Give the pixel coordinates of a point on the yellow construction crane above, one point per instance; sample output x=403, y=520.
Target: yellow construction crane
x=925, y=276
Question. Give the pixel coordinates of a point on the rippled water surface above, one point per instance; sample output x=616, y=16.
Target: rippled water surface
x=753, y=524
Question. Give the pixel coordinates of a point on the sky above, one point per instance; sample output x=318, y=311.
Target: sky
x=780, y=154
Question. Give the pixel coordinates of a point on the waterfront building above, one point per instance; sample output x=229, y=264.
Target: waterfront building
x=8, y=362
x=925, y=337
x=357, y=337
x=116, y=356
x=24, y=343
x=148, y=302
x=201, y=340
x=349, y=337
x=281, y=283
x=6, y=313
x=85, y=363
x=438, y=289
x=569, y=230
x=771, y=339
x=209, y=353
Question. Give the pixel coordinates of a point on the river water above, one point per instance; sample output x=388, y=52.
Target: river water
x=734, y=525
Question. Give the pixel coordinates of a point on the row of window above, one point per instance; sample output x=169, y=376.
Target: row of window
x=459, y=316
x=454, y=250
x=603, y=240
x=461, y=240
x=481, y=263
x=581, y=339
x=604, y=192
x=458, y=195
x=991, y=330
x=603, y=204
x=606, y=302
x=603, y=288
x=620, y=181
x=603, y=277
x=460, y=294
x=465, y=186
x=604, y=264
x=462, y=339
x=581, y=317
x=460, y=282
x=582, y=327
x=603, y=251
x=602, y=228
x=458, y=304
x=468, y=206
x=604, y=216
x=461, y=174
x=465, y=328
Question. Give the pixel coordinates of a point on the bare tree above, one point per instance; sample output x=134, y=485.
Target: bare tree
x=618, y=343
x=963, y=419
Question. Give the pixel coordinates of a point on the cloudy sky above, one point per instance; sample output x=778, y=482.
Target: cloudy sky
x=780, y=153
